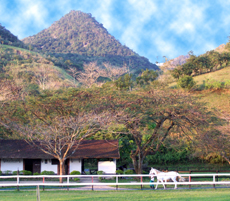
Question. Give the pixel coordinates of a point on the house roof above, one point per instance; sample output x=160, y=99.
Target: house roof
x=87, y=149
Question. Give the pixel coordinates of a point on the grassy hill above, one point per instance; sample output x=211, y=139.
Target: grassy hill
x=215, y=98
x=31, y=71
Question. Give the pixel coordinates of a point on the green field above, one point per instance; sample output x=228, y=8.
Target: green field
x=204, y=194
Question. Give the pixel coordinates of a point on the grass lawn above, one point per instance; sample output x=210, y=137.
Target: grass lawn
x=204, y=194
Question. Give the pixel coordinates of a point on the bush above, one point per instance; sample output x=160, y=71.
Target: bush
x=213, y=84
x=47, y=172
x=25, y=172
x=119, y=172
x=75, y=172
x=129, y=172
x=0, y=172
x=36, y=173
x=186, y=82
x=100, y=173
x=227, y=84
x=8, y=172
x=15, y=173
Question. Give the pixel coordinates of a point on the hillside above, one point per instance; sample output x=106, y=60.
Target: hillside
x=31, y=72
x=78, y=37
x=7, y=38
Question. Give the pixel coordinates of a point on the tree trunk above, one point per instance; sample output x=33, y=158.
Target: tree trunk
x=137, y=162
x=62, y=168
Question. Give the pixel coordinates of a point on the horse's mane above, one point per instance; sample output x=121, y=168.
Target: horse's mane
x=157, y=171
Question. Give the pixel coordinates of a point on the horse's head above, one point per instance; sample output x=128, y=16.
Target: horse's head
x=153, y=171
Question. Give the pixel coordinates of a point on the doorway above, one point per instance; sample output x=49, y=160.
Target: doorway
x=32, y=165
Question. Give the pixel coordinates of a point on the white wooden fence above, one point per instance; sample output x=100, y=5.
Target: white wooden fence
x=41, y=180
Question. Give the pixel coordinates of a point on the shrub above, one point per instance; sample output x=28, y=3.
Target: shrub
x=7, y=172
x=119, y=172
x=213, y=84
x=129, y=172
x=186, y=82
x=0, y=172
x=227, y=84
x=75, y=172
x=25, y=172
x=15, y=173
x=36, y=173
x=100, y=173
x=47, y=172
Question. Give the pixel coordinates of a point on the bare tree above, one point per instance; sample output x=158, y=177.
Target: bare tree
x=91, y=73
x=74, y=72
x=43, y=74
x=114, y=72
x=61, y=137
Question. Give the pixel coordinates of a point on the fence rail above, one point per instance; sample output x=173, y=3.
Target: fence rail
x=4, y=180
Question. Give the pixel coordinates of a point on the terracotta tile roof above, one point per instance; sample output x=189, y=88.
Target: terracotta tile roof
x=87, y=149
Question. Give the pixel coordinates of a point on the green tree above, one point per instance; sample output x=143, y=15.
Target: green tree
x=152, y=116
x=124, y=83
x=146, y=77
x=186, y=82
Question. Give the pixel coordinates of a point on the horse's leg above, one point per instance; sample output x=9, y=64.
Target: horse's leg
x=163, y=183
x=175, y=181
x=157, y=184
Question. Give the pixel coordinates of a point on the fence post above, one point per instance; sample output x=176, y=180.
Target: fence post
x=92, y=182
x=141, y=182
x=43, y=182
x=214, y=179
x=18, y=181
x=67, y=182
x=217, y=175
x=116, y=182
x=38, y=193
x=190, y=178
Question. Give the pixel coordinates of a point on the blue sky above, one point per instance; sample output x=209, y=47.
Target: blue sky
x=152, y=28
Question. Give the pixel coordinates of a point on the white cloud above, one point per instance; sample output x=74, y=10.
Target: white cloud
x=188, y=18
x=139, y=13
x=165, y=47
x=103, y=13
x=27, y=14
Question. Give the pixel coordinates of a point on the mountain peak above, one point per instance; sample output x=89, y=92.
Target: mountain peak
x=80, y=33
x=78, y=36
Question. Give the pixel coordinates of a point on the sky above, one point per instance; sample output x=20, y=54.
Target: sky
x=154, y=29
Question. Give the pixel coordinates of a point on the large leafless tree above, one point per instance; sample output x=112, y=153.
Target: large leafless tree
x=61, y=137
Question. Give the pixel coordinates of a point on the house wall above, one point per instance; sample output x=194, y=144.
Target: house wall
x=48, y=166
x=11, y=164
x=75, y=164
x=109, y=167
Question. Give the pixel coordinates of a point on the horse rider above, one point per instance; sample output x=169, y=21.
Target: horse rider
x=152, y=178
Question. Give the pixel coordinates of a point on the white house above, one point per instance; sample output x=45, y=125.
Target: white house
x=19, y=155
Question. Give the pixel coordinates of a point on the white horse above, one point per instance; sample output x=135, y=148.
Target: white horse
x=164, y=176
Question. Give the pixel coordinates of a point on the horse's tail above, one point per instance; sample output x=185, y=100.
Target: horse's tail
x=181, y=179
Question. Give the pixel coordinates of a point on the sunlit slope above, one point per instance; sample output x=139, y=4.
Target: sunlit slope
x=220, y=98
x=29, y=68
